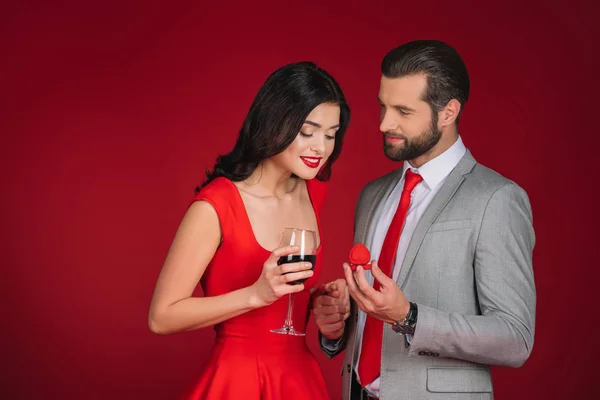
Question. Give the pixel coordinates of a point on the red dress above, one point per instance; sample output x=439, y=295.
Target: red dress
x=248, y=361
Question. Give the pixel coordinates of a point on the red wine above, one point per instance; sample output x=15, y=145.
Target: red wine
x=311, y=258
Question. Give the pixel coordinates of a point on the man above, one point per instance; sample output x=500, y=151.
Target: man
x=452, y=291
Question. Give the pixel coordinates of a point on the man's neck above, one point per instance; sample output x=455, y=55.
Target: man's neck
x=446, y=141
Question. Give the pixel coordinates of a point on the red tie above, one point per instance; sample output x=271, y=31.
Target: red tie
x=370, y=357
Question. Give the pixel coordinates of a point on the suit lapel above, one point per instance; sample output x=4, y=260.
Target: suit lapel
x=446, y=192
x=375, y=210
x=365, y=236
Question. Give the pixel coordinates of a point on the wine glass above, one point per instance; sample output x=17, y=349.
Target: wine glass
x=307, y=242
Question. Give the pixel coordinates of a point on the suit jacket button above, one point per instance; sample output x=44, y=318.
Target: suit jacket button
x=348, y=368
x=436, y=354
x=429, y=353
x=422, y=353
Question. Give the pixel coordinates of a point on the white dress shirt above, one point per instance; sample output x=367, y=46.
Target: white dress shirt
x=434, y=173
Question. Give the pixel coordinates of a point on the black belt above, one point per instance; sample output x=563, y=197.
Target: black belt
x=358, y=392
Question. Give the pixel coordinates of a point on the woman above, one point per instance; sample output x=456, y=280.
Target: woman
x=229, y=242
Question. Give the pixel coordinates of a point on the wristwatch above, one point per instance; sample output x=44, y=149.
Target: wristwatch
x=407, y=326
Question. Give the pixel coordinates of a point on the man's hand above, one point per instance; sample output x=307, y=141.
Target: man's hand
x=331, y=307
x=387, y=304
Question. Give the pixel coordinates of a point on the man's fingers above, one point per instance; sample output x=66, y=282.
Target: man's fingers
x=350, y=282
x=326, y=300
x=320, y=291
x=353, y=288
x=330, y=309
x=334, y=327
x=330, y=288
x=334, y=331
x=364, y=286
x=326, y=320
x=378, y=274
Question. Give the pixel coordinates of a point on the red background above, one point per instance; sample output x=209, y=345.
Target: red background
x=110, y=111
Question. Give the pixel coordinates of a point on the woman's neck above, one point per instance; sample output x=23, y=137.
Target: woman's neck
x=270, y=180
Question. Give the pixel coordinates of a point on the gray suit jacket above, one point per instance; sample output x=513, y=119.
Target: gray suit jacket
x=468, y=267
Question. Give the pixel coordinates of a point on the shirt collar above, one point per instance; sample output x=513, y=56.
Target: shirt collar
x=436, y=170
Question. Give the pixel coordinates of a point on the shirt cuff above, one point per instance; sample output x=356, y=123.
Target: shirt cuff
x=331, y=345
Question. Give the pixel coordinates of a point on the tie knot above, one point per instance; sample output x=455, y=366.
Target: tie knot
x=411, y=180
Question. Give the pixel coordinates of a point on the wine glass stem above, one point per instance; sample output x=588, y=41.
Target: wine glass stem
x=288, y=319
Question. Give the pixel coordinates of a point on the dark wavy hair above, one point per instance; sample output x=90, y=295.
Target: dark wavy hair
x=276, y=116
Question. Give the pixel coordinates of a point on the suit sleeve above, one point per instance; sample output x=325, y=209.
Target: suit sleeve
x=503, y=333
x=332, y=348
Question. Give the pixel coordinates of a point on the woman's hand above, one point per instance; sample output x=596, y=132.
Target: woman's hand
x=273, y=281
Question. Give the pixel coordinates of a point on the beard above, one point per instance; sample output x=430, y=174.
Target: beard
x=413, y=148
